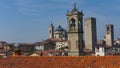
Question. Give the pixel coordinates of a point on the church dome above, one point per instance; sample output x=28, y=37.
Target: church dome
x=59, y=28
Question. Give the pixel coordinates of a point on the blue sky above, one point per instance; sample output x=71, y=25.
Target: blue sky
x=28, y=20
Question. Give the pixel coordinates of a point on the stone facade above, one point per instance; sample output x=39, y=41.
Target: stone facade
x=59, y=33
x=75, y=32
x=51, y=31
x=90, y=33
x=109, y=38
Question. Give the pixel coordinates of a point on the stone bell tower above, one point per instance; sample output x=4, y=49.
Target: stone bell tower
x=75, y=32
x=51, y=31
x=109, y=38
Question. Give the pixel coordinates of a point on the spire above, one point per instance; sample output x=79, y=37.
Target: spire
x=51, y=23
x=81, y=11
x=59, y=28
x=67, y=11
x=59, y=24
x=74, y=5
x=74, y=8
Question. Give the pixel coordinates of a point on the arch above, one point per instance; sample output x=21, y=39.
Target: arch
x=72, y=24
x=79, y=24
x=108, y=29
x=50, y=31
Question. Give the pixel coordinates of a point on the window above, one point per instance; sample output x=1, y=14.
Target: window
x=72, y=24
x=108, y=29
x=50, y=31
x=97, y=49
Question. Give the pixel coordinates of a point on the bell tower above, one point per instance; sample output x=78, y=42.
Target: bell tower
x=51, y=31
x=75, y=32
x=109, y=38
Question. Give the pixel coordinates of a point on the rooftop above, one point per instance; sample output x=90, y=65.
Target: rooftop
x=53, y=40
x=60, y=62
x=59, y=28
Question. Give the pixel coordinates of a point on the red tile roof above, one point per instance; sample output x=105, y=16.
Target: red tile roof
x=26, y=44
x=60, y=62
x=53, y=40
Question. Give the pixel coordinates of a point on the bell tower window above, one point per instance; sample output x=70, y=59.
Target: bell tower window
x=79, y=24
x=108, y=29
x=72, y=24
x=50, y=31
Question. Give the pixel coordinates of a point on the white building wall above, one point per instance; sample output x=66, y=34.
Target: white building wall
x=99, y=51
x=61, y=44
x=39, y=47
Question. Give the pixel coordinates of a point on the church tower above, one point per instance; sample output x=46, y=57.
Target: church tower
x=51, y=31
x=75, y=32
x=109, y=38
x=90, y=33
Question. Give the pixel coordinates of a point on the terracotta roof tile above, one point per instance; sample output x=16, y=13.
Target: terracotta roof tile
x=60, y=62
x=53, y=40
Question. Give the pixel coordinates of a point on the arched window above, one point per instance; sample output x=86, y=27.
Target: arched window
x=72, y=24
x=50, y=31
x=108, y=29
x=79, y=24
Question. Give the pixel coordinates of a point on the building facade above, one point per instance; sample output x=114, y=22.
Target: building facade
x=109, y=38
x=75, y=32
x=90, y=33
x=100, y=51
x=58, y=33
x=61, y=44
x=51, y=31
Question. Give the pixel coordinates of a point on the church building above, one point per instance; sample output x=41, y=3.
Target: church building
x=75, y=34
x=58, y=33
